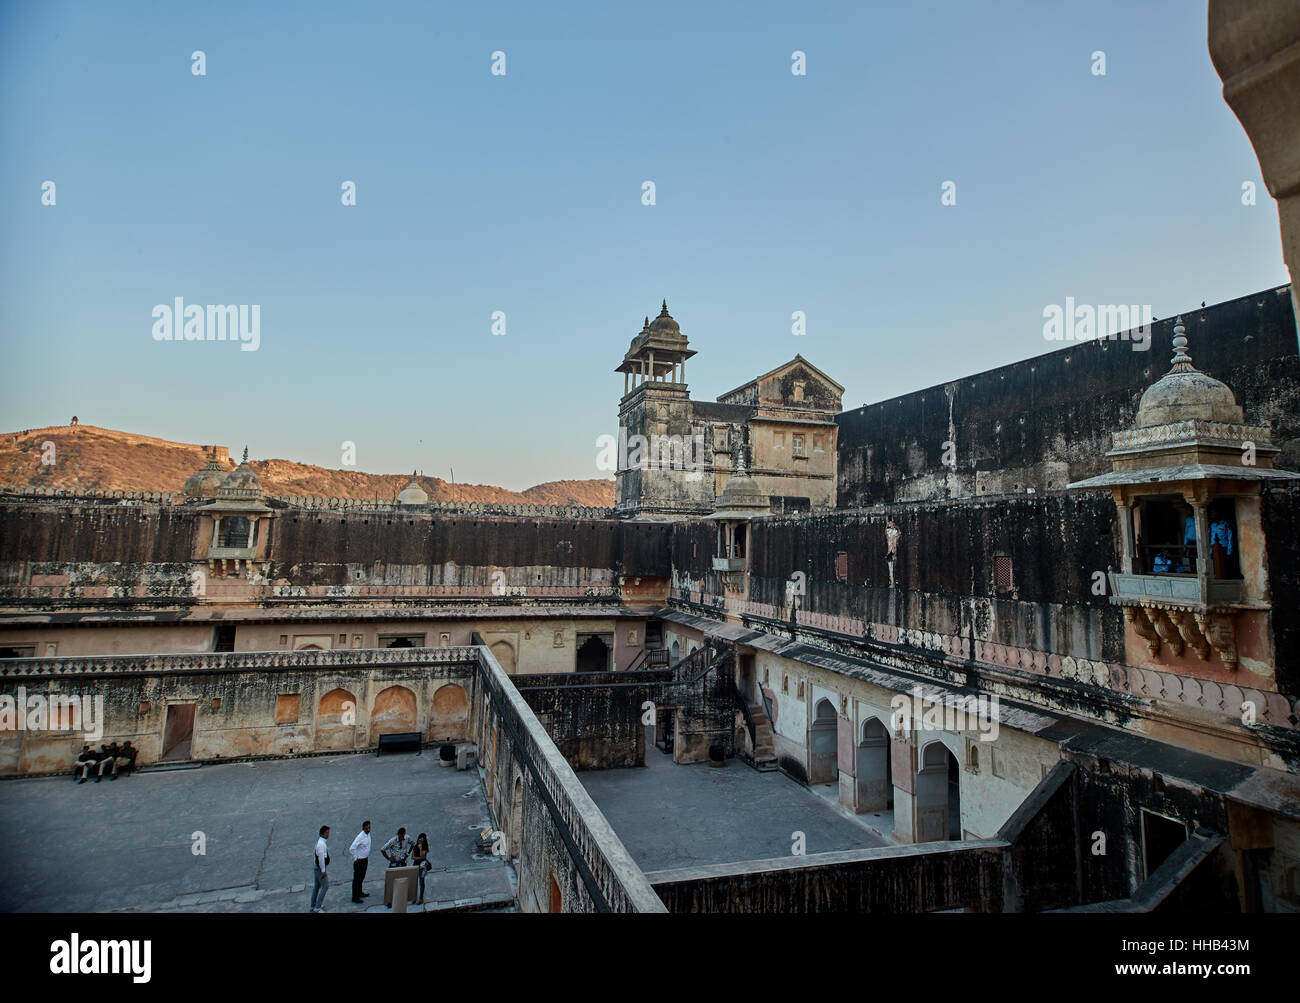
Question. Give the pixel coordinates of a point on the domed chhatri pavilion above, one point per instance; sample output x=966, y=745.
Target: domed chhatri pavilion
x=413, y=494
x=740, y=501
x=205, y=481
x=1186, y=480
x=233, y=518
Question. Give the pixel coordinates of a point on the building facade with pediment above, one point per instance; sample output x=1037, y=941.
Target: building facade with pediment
x=676, y=454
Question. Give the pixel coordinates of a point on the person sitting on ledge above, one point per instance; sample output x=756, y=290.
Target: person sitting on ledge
x=126, y=754
x=85, y=760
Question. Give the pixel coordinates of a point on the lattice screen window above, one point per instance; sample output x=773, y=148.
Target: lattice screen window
x=1002, y=572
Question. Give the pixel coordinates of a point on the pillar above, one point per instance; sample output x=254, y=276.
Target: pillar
x=1125, y=506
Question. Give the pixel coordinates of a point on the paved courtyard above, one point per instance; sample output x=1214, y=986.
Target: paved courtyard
x=670, y=815
x=127, y=844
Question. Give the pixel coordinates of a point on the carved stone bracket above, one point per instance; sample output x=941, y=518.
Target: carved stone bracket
x=1191, y=633
x=1138, y=619
x=1167, y=630
x=1221, y=631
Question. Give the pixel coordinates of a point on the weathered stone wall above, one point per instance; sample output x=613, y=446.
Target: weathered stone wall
x=541, y=639
x=944, y=567
x=68, y=543
x=904, y=879
x=1041, y=861
x=237, y=706
x=360, y=548
x=1047, y=421
x=594, y=718
x=64, y=531
x=1111, y=797
x=1280, y=515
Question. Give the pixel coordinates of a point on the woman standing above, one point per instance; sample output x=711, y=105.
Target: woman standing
x=422, y=861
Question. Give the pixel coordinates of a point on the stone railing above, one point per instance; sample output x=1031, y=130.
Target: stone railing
x=218, y=590
x=19, y=492
x=317, y=503
x=1270, y=708
x=612, y=880
x=232, y=661
x=1187, y=431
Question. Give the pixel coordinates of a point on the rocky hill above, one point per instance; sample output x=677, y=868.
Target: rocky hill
x=86, y=456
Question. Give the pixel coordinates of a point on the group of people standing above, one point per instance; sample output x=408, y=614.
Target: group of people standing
x=107, y=758
x=398, y=851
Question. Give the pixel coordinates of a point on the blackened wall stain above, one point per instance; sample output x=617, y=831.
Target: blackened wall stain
x=1046, y=421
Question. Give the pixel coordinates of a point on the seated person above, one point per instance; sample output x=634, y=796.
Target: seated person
x=107, y=761
x=1162, y=564
x=126, y=754
x=85, y=760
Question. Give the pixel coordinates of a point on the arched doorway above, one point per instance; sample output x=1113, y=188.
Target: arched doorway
x=336, y=721
x=875, y=776
x=676, y=651
x=593, y=655
x=938, y=795
x=393, y=713
x=450, y=712
x=505, y=654
x=823, y=765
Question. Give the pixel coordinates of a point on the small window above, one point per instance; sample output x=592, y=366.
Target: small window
x=286, y=708
x=401, y=640
x=797, y=447
x=1002, y=573
x=842, y=566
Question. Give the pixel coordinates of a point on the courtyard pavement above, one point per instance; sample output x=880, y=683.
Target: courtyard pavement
x=128, y=844
x=671, y=815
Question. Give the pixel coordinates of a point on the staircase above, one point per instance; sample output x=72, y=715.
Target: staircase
x=764, y=751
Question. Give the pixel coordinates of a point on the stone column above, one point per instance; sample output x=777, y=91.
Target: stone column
x=1202, y=546
x=1124, y=506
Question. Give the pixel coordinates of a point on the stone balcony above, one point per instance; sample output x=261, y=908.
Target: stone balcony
x=1174, y=590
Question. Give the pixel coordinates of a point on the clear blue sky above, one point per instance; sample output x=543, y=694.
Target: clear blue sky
x=522, y=193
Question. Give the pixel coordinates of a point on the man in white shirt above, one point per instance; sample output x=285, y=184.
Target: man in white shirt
x=360, y=852
x=320, y=862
